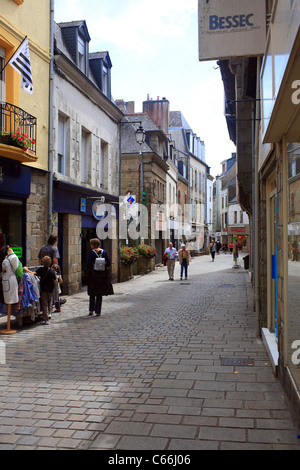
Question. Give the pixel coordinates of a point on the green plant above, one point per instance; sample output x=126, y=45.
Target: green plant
x=20, y=139
x=147, y=251
x=128, y=255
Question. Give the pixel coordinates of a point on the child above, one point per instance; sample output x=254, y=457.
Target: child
x=48, y=281
x=56, y=301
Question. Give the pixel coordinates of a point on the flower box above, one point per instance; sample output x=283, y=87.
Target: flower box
x=143, y=265
x=126, y=272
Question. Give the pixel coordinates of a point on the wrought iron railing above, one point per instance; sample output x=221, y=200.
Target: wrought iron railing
x=17, y=127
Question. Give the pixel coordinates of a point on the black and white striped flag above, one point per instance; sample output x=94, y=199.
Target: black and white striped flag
x=20, y=61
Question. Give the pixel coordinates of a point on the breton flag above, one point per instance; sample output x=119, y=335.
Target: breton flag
x=20, y=61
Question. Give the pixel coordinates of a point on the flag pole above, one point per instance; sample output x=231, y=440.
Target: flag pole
x=12, y=56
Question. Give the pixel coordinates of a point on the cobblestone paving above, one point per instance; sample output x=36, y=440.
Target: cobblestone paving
x=147, y=374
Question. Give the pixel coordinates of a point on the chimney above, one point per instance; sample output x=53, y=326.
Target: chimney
x=130, y=107
x=159, y=112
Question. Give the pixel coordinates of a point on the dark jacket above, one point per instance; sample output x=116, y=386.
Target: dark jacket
x=98, y=281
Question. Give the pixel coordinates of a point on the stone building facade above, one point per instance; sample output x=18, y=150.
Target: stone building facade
x=149, y=177
x=86, y=156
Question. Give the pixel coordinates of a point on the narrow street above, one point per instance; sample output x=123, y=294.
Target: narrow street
x=148, y=374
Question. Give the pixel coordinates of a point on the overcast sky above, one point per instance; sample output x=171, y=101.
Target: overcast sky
x=153, y=46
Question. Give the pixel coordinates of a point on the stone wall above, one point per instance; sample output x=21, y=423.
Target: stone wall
x=72, y=254
x=36, y=216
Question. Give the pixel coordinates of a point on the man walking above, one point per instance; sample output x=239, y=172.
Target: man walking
x=171, y=253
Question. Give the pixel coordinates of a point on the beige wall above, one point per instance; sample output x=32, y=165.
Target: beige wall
x=31, y=18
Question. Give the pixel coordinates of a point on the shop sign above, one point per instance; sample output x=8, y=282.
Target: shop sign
x=98, y=210
x=18, y=250
x=231, y=28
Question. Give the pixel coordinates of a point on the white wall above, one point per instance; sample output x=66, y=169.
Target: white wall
x=84, y=115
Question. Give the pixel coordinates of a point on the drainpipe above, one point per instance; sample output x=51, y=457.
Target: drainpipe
x=51, y=88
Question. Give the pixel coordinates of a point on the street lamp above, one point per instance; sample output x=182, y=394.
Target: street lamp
x=140, y=135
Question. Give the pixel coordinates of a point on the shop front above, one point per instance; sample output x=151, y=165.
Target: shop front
x=75, y=224
x=280, y=152
x=242, y=234
x=15, y=181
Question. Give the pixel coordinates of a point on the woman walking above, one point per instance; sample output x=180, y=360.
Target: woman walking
x=99, y=283
x=212, y=250
x=184, y=260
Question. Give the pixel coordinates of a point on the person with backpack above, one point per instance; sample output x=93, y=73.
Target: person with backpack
x=98, y=277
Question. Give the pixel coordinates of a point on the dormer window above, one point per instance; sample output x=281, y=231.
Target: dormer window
x=100, y=71
x=74, y=43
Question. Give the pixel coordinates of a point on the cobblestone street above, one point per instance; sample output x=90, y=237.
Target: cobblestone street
x=148, y=374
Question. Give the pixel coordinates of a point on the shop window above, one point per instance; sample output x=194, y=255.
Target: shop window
x=293, y=188
x=11, y=226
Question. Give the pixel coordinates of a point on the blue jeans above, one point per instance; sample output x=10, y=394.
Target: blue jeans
x=185, y=266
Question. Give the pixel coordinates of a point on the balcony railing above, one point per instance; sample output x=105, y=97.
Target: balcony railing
x=17, y=127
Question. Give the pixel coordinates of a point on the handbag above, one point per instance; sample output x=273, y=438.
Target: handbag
x=99, y=262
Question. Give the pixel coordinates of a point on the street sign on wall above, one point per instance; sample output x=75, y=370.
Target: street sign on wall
x=231, y=28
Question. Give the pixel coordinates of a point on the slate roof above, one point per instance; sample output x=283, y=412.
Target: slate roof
x=129, y=144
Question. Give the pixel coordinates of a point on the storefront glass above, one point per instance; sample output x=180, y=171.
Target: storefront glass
x=294, y=260
x=11, y=226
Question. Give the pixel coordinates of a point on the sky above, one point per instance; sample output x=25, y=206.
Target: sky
x=153, y=46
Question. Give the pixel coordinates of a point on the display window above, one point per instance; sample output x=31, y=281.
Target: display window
x=293, y=186
x=11, y=227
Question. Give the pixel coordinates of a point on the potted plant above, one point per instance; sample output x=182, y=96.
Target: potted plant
x=146, y=253
x=128, y=256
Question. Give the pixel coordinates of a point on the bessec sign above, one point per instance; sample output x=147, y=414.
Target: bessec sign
x=231, y=28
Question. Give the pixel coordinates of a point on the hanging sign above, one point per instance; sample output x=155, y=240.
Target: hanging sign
x=231, y=28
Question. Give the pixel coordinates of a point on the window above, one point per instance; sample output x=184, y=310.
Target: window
x=61, y=145
x=82, y=55
x=241, y=217
x=196, y=179
x=235, y=217
x=83, y=159
x=2, y=77
x=105, y=80
x=11, y=226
